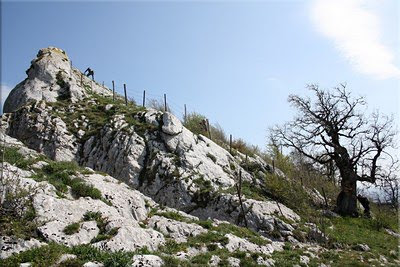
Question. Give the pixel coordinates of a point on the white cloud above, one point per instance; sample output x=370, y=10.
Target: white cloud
x=356, y=33
x=4, y=91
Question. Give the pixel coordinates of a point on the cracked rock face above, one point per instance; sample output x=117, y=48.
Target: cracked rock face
x=10, y=245
x=50, y=77
x=179, y=231
x=171, y=124
x=147, y=261
x=149, y=150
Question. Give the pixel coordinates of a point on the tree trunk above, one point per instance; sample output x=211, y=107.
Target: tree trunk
x=346, y=203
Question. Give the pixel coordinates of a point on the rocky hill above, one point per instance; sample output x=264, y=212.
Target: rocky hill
x=94, y=181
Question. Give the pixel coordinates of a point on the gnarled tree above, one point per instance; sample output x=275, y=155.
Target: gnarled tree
x=332, y=129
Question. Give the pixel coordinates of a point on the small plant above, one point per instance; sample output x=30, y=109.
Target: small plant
x=172, y=215
x=101, y=222
x=80, y=189
x=14, y=157
x=72, y=228
x=92, y=216
x=16, y=206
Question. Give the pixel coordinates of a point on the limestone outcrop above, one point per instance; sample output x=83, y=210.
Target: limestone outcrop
x=137, y=167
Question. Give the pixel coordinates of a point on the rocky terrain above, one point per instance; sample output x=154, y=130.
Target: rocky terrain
x=104, y=183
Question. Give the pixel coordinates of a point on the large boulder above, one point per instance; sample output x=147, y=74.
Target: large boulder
x=51, y=77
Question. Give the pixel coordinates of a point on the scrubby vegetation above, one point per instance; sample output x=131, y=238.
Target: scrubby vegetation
x=17, y=211
x=16, y=208
x=72, y=228
x=91, y=115
x=101, y=222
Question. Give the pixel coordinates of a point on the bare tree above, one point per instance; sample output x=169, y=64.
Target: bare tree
x=389, y=184
x=332, y=129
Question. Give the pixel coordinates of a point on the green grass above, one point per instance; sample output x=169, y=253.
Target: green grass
x=287, y=257
x=61, y=175
x=72, y=228
x=21, y=226
x=49, y=254
x=208, y=238
x=241, y=232
x=352, y=231
x=14, y=157
x=171, y=215
x=98, y=117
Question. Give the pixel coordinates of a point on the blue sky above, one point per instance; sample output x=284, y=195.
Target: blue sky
x=235, y=62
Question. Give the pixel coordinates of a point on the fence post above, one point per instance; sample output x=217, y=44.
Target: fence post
x=239, y=193
x=279, y=207
x=326, y=201
x=273, y=165
x=230, y=143
x=165, y=103
x=185, y=116
x=144, y=98
x=126, y=97
x=113, y=90
x=208, y=129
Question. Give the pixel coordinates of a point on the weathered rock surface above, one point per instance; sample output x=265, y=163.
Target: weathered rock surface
x=161, y=162
x=10, y=245
x=147, y=261
x=237, y=243
x=166, y=162
x=50, y=77
x=179, y=231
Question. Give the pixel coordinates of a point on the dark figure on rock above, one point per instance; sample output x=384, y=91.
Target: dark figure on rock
x=89, y=72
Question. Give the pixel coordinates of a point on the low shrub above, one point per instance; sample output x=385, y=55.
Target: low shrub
x=72, y=228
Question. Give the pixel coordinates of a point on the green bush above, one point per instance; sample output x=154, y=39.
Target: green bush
x=16, y=208
x=60, y=174
x=92, y=216
x=80, y=189
x=72, y=228
x=245, y=148
x=194, y=122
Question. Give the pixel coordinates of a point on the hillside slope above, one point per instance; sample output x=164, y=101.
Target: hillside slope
x=96, y=174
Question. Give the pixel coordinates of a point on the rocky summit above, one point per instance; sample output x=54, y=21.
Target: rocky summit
x=86, y=173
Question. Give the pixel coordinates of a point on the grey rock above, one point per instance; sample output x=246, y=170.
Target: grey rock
x=265, y=262
x=171, y=124
x=190, y=253
x=234, y=262
x=316, y=235
x=304, y=260
x=50, y=77
x=214, y=261
x=66, y=257
x=237, y=243
x=147, y=261
x=179, y=231
x=93, y=264
x=11, y=245
x=330, y=214
x=392, y=233
x=162, y=159
x=361, y=247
